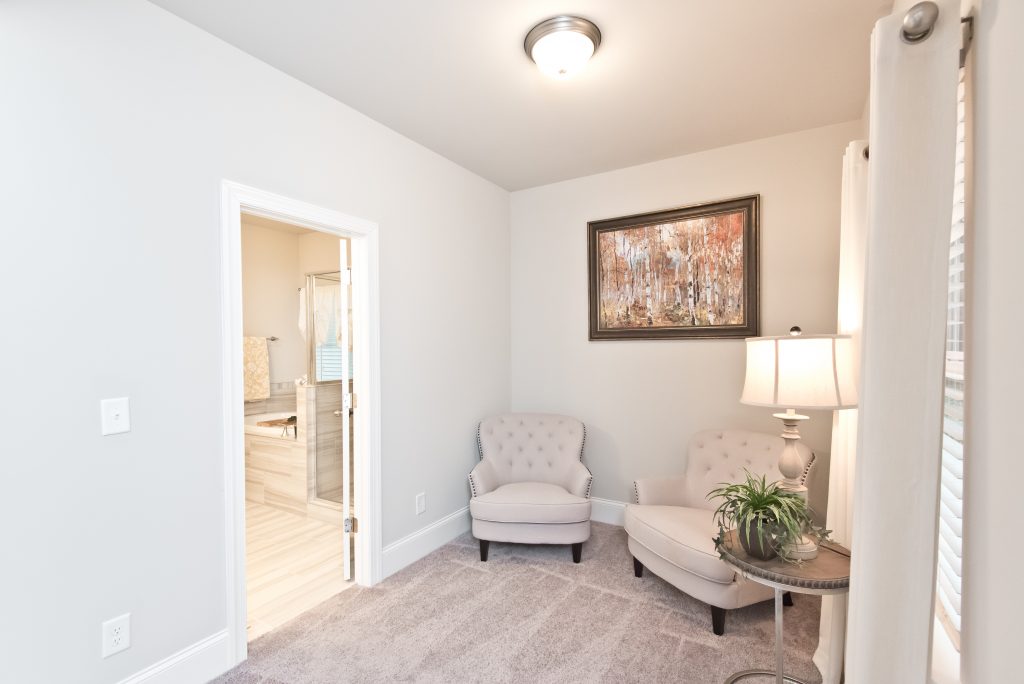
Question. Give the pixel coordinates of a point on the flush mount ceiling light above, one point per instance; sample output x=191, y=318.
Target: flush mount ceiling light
x=561, y=46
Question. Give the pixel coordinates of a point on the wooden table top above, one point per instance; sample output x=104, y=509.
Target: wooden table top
x=829, y=572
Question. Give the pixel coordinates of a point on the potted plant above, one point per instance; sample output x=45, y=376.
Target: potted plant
x=768, y=520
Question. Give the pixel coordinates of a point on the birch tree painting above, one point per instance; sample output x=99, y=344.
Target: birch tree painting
x=687, y=273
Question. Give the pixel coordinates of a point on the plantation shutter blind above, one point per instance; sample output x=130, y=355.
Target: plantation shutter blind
x=950, y=554
x=329, y=356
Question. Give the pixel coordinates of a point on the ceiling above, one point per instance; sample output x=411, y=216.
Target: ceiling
x=671, y=76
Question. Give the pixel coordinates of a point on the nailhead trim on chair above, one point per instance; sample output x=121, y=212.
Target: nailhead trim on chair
x=807, y=469
x=480, y=454
x=583, y=443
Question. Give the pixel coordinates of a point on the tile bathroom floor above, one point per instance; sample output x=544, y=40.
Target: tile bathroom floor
x=292, y=564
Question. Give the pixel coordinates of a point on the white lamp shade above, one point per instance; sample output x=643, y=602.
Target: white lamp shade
x=802, y=372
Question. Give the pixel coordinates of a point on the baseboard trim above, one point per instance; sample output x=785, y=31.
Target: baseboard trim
x=607, y=511
x=412, y=547
x=200, y=662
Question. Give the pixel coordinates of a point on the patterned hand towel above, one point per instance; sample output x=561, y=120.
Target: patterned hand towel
x=256, y=360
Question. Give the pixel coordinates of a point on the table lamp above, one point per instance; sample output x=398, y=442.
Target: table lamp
x=793, y=372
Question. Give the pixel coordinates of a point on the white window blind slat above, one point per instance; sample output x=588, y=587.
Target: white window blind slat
x=954, y=521
x=950, y=543
x=950, y=598
x=952, y=503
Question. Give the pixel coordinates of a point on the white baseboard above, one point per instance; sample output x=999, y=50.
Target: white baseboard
x=412, y=547
x=200, y=662
x=607, y=511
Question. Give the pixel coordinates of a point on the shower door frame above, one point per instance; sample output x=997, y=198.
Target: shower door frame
x=364, y=244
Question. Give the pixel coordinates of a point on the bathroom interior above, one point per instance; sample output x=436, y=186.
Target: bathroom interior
x=297, y=361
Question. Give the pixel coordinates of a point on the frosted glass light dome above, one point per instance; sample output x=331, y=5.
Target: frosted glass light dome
x=563, y=45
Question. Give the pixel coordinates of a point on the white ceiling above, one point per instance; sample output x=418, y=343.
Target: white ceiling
x=671, y=76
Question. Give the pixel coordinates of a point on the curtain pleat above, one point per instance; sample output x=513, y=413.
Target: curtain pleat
x=853, y=234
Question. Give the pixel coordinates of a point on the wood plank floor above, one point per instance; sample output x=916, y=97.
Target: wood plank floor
x=292, y=564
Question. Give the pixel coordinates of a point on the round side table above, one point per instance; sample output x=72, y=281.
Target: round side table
x=829, y=573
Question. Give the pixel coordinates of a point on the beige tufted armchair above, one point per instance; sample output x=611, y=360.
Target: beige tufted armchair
x=530, y=486
x=671, y=527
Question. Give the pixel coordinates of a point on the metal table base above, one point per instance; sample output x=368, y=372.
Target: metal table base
x=777, y=673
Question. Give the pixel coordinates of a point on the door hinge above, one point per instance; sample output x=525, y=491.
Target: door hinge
x=351, y=525
x=347, y=276
x=347, y=401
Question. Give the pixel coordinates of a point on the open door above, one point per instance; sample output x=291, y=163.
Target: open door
x=345, y=341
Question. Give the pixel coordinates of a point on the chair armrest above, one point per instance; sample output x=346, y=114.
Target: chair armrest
x=482, y=479
x=660, y=491
x=578, y=480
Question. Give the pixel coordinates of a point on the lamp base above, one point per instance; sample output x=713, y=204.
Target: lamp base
x=805, y=549
x=792, y=466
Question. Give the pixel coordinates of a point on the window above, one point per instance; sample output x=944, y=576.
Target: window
x=948, y=589
x=328, y=355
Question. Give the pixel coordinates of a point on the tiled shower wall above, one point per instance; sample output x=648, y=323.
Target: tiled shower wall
x=282, y=399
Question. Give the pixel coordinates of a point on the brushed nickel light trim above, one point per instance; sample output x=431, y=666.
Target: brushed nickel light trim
x=563, y=22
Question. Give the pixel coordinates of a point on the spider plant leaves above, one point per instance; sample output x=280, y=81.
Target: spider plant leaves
x=780, y=517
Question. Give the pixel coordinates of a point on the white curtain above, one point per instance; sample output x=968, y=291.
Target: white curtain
x=853, y=235
x=910, y=203
x=326, y=312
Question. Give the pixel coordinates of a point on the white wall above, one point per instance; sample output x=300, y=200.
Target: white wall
x=274, y=265
x=993, y=593
x=641, y=400
x=318, y=253
x=118, y=122
x=270, y=301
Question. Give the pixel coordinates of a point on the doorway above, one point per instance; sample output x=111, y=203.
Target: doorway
x=294, y=541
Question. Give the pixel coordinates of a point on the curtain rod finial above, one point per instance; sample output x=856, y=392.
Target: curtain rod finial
x=919, y=22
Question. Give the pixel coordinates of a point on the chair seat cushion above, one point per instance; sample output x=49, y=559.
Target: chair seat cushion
x=530, y=502
x=682, y=536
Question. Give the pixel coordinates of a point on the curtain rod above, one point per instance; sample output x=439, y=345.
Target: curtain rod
x=918, y=24
x=919, y=21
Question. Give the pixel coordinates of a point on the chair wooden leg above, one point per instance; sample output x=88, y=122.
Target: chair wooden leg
x=577, y=552
x=638, y=568
x=718, y=620
x=787, y=599
x=484, y=544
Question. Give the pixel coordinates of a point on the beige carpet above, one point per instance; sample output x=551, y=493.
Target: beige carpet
x=527, y=615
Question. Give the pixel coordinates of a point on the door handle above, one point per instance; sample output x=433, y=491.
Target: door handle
x=338, y=413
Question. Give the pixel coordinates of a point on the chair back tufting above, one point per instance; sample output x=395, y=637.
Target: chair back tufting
x=531, y=447
x=717, y=456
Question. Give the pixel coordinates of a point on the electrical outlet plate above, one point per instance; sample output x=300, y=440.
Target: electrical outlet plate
x=117, y=634
x=421, y=503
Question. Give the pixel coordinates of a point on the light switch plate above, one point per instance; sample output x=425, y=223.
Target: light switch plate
x=115, y=416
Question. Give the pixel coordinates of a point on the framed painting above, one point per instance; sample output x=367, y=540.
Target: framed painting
x=681, y=273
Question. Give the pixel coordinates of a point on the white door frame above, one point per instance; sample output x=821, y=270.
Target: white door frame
x=236, y=198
